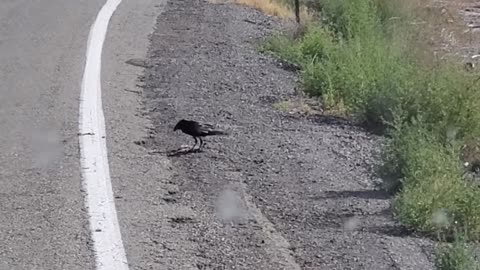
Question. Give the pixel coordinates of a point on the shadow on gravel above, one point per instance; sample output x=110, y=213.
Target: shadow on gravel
x=331, y=120
x=363, y=222
x=360, y=194
x=395, y=230
x=177, y=152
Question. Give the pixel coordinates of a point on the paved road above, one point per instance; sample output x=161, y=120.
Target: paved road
x=43, y=222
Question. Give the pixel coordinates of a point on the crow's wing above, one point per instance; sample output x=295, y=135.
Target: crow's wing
x=205, y=128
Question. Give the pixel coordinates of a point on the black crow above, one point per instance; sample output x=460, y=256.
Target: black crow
x=197, y=130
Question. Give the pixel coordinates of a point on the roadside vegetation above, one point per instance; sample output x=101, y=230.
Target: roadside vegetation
x=456, y=256
x=278, y=8
x=369, y=59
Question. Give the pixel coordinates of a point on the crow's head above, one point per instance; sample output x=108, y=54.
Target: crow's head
x=180, y=124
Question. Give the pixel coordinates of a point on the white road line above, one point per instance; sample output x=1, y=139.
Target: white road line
x=107, y=240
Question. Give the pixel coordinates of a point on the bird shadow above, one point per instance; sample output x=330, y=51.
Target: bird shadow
x=177, y=152
x=182, y=152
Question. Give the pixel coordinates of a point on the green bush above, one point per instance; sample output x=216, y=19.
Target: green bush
x=457, y=256
x=448, y=102
x=432, y=184
x=366, y=61
x=283, y=47
x=353, y=18
x=317, y=44
x=371, y=78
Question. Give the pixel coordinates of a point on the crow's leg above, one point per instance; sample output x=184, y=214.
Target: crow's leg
x=201, y=143
x=193, y=147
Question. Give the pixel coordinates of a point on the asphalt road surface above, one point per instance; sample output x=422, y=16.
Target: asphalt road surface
x=43, y=221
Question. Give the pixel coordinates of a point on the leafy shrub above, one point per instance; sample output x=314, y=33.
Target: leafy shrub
x=457, y=256
x=432, y=182
x=366, y=61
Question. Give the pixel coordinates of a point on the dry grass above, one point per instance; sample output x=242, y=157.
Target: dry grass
x=275, y=8
x=269, y=7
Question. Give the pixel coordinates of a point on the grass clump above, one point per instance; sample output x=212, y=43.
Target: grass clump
x=365, y=58
x=456, y=256
x=434, y=197
x=283, y=47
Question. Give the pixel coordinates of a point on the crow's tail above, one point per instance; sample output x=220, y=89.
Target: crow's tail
x=217, y=132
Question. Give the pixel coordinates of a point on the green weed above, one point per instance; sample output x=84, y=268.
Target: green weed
x=364, y=56
x=456, y=256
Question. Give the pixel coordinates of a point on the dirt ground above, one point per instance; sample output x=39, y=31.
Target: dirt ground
x=283, y=190
x=455, y=28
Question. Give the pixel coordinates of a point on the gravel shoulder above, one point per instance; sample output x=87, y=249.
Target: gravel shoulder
x=283, y=191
